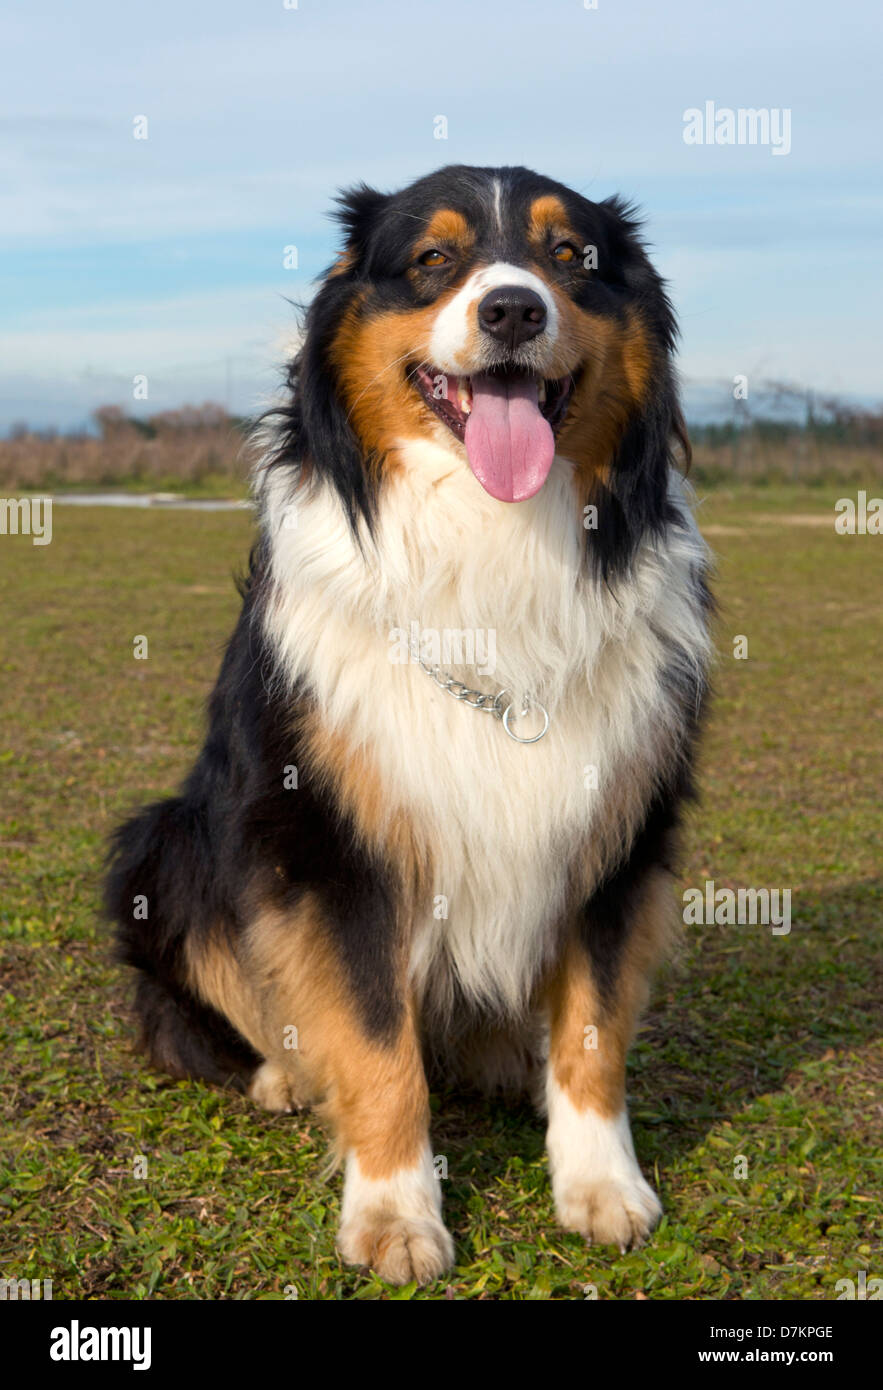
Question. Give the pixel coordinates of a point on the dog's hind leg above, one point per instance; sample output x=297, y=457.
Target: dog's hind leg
x=153, y=891
x=217, y=974
x=270, y=1087
x=187, y=1038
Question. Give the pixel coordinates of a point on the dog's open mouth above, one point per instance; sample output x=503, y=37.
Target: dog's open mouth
x=507, y=421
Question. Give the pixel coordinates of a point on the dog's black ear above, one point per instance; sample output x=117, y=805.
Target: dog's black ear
x=633, y=502
x=629, y=265
x=682, y=434
x=357, y=210
x=316, y=437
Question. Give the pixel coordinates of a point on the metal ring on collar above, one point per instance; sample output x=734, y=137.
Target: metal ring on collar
x=536, y=738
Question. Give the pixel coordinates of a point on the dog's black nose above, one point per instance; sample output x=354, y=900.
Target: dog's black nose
x=512, y=314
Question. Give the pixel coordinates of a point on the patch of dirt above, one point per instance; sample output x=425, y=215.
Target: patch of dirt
x=807, y=519
x=796, y=519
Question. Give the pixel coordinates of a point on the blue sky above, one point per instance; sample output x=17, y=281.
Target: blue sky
x=165, y=256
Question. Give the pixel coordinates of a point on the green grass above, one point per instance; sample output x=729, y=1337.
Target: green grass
x=754, y=1045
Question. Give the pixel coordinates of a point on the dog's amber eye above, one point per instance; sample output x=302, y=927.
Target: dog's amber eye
x=563, y=251
x=433, y=257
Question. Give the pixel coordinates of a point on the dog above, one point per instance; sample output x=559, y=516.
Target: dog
x=433, y=827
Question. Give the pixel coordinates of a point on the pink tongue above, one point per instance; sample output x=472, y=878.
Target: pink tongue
x=508, y=443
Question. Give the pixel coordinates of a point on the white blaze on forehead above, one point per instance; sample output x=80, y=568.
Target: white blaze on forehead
x=454, y=326
x=498, y=211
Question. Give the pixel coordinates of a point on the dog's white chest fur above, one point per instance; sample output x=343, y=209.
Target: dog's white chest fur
x=503, y=821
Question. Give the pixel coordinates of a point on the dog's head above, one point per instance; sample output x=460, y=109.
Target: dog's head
x=506, y=315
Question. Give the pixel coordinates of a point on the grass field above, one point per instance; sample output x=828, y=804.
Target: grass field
x=755, y=1045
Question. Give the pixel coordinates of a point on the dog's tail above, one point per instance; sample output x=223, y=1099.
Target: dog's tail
x=157, y=890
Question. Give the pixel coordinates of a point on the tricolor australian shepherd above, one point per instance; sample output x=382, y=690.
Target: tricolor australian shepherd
x=431, y=830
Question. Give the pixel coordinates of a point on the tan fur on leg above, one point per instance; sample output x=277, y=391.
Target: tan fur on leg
x=372, y=1093
x=598, y=1186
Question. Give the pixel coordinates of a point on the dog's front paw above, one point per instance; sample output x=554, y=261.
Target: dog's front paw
x=393, y=1224
x=398, y=1248
x=609, y=1211
x=599, y=1188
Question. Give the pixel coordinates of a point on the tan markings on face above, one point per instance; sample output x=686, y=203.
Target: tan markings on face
x=370, y=355
x=615, y=361
x=374, y=1094
x=352, y=777
x=593, y=1077
x=547, y=217
x=370, y=352
x=449, y=228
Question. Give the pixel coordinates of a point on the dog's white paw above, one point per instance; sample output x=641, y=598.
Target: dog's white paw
x=609, y=1211
x=393, y=1225
x=598, y=1187
x=398, y=1248
x=271, y=1089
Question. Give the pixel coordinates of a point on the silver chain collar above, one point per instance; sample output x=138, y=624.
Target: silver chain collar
x=489, y=704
